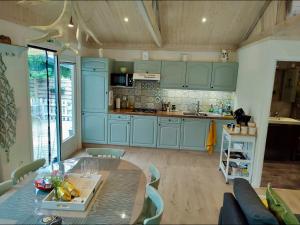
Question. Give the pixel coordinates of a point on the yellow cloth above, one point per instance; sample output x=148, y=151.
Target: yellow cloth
x=211, y=137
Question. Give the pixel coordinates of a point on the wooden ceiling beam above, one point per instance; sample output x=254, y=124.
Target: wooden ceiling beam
x=288, y=29
x=150, y=21
x=259, y=16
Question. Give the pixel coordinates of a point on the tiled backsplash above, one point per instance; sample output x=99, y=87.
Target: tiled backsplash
x=147, y=94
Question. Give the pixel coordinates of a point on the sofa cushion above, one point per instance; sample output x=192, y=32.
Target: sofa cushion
x=279, y=208
x=251, y=205
x=231, y=212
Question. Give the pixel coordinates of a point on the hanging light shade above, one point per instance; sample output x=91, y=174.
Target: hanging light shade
x=71, y=24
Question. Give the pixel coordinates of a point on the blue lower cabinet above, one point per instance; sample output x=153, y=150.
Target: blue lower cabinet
x=94, y=127
x=168, y=135
x=219, y=125
x=143, y=131
x=193, y=134
x=118, y=132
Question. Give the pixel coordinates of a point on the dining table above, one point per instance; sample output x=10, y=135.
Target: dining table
x=118, y=200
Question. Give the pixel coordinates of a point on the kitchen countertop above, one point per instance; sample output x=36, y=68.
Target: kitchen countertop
x=169, y=114
x=283, y=120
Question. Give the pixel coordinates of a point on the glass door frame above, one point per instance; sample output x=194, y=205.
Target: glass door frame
x=74, y=103
x=58, y=101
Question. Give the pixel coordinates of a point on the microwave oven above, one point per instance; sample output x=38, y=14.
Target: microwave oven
x=121, y=80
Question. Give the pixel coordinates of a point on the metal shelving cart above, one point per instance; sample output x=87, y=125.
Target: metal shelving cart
x=237, y=155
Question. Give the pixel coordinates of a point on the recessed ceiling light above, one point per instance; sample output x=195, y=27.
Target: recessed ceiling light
x=126, y=19
x=203, y=19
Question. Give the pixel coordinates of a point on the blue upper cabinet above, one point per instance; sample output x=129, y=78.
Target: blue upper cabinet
x=168, y=133
x=147, y=66
x=224, y=76
x=193, y=134
x=143, y=131
x=198, y=75
x=94, y=126
x=118, y=129
x=173, y=74
x=94, y=77
x=94, y=91
x=95, y=64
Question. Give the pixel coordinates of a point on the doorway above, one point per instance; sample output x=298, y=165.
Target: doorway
x=282, y=154
x=44, y=100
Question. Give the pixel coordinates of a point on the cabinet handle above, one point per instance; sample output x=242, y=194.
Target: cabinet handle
x=182, y=85
x=169, y=120
x=186, y=85
x=159, y=124
x=128, y=122
x=82, y=113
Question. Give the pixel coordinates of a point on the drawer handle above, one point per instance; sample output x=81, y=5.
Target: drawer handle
x=169, y=120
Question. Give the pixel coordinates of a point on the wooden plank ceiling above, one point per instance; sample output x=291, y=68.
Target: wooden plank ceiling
x=181, y=24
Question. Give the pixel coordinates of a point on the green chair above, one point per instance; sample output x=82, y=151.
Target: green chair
x=5, y=186
x=155, y=176
x=154, y=206
x=20, y=172
x=105, y=152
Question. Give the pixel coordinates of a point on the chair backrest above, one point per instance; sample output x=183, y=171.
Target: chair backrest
x=155, y=202
x=155, y=176
x=23, y=170
x=107, y=152
x=5, y=186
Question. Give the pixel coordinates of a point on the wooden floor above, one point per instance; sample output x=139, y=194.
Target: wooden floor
x=191, y=185
x=281, y=175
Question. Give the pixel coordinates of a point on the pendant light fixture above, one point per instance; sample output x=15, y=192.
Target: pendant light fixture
x=71, y=24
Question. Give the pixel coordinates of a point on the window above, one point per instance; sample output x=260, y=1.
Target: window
x=67, y=76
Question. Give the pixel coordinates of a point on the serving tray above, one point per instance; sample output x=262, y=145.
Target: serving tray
x=88, y=187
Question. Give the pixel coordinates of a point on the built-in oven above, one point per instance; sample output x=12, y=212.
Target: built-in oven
x=121, y=80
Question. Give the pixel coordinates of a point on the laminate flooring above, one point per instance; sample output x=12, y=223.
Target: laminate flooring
x=191, y=184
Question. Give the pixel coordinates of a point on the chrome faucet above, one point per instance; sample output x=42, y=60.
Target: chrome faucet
x=198, y=106
x=276, y=114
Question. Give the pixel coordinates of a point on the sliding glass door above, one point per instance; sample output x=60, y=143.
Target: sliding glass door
x=44, y=99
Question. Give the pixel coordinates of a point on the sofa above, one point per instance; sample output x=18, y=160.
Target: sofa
x=245, y=207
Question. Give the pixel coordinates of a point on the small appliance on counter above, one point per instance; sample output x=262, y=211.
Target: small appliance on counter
x=118, y=103
x=124, y=103
x=240, y=117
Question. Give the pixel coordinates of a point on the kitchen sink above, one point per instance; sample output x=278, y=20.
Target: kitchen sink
x=189, y=114
x=201, y=114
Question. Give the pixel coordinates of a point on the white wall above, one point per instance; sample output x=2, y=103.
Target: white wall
x=257, y=63
x=21, y=151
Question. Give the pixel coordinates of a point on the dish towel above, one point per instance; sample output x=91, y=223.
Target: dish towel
x=212, y=137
